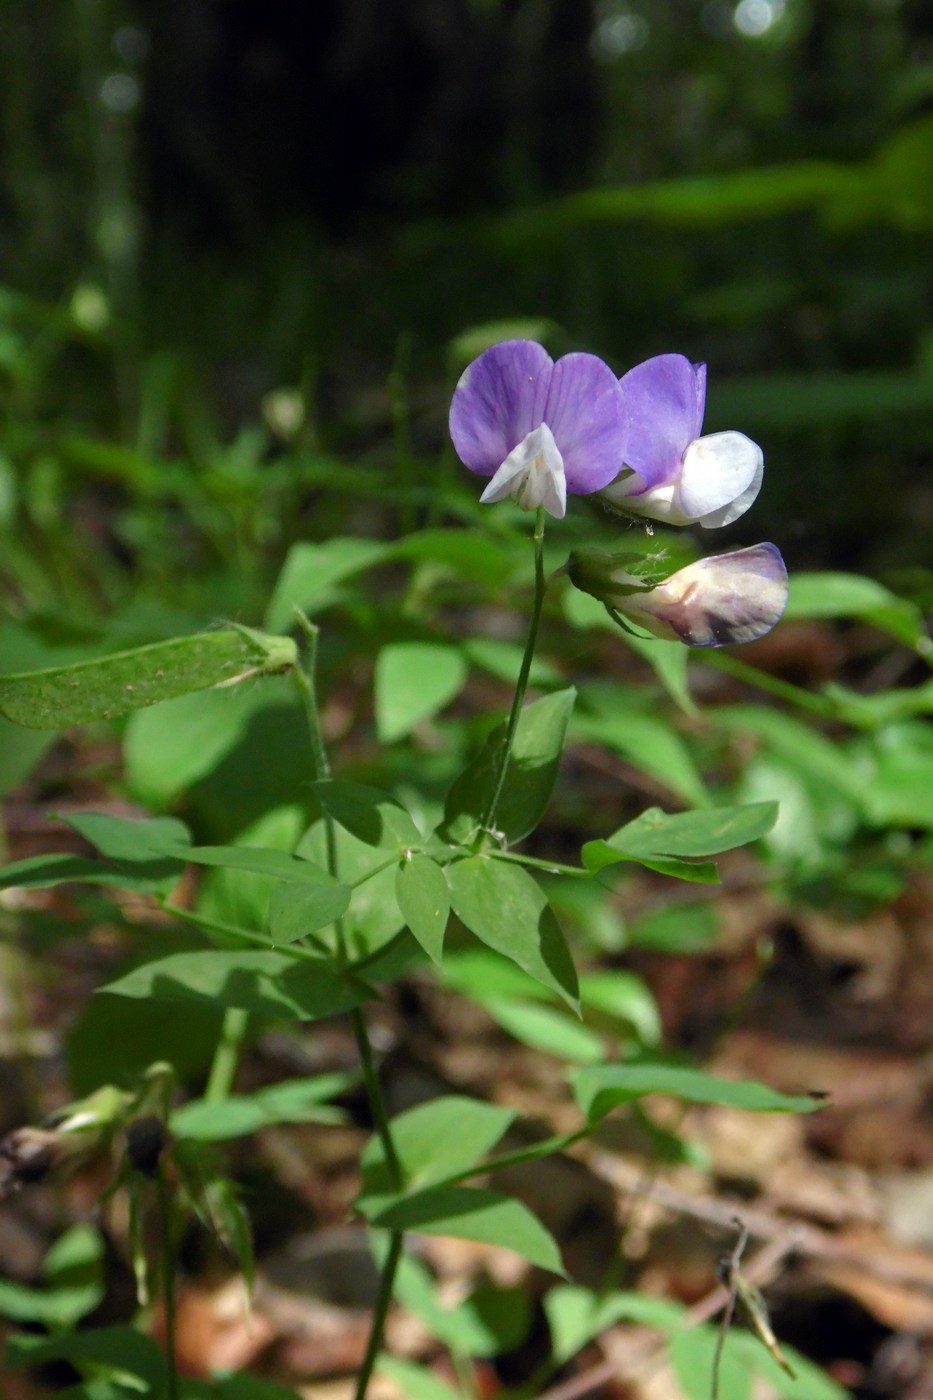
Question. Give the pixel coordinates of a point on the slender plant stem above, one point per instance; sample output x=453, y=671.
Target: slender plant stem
x=380, y=1312
x=489, y=817
x=227, y=1055
x=305, y=680
x=168, y=1280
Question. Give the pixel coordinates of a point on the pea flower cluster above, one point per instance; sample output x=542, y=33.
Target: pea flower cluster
x=540, y=429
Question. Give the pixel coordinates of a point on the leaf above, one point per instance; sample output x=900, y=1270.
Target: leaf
x=269, y=984
x=504, y=661
x=261, y=860
x=820, y=760
x=372, y=816
x=424, y=898
x=293, y=1101
x=414, y=680
x=296, y=910
x=529, y=781
x=41, y=872
x=73, y=1268
x=123, y=1350
x=468, y=1213
x=650, y=745
x=244, y=1387
x=479, y=973
x=413, y=1381
x=312, y=572
x=508, y=911
x=545, y=1028
x=599, y=1090
x=125, y=839
x=465, y=553
x=623, y=997
x=128, y=680
x=657, y=835
x=168, y=749
x=853, y=595
x=436, y=1140
x=577, y=1315
x=489, y=1321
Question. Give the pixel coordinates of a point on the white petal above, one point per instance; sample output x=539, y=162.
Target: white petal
x=720, y=478
x=533, y=474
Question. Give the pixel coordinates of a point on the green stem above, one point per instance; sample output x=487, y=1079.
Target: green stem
x=820, y=705
x=380, y=1313
x=546, y=1148
x=550, y=867
x=227, y=1054
x=258, y=940
x=304, y=677
x=168, y=1281
x=489, y=817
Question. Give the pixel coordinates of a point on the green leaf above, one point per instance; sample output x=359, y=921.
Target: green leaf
x=465, y=553
x=504, y=661
x=74, y=1270
x=508, y=911
x=436, y=1140
x=650, y=745
x=41, y=872
x=599, y=1090
x=481, y=973
x=414, y=1382
x=488, y=1322
x=424, y=898
x=819, y=759
x=269, y=984
x=853, y=595
x=128, y=680
x=414, y=680
x=539, y=741
x=577, y=1315
x=123, y=839
x=693, y=1353
x=597, y=855
x=259, y=860
x=372, y=816
x=293, y=1101
x=623, y=997
x=656, y=835
x=312, y=572
x=121, y=1350
x=545, y=1028
x=171, y=747
x=680, y=928
x=297, y=910
x=244, y=1387
x=467, y=1213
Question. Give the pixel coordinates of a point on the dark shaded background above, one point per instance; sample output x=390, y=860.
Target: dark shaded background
x=286, y=192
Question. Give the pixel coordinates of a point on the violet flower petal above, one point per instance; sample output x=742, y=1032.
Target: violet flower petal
x=665, y=398
x=499, y=399
x=585, y=412
x=719, y=601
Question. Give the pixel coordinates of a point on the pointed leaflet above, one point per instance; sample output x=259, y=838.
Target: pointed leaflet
x=414, y=680
x=130, y=680
x=507, y=910
x=424, y=898
x=599, y=1089
x=656, y=835
x=470, y=1214
x=436, y=1140
x=269, y=984
x=539, y=740
x=369, y=814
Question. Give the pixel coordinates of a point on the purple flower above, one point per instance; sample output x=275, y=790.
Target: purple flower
x=719, y=601
x=537, y=428
x=671, y=473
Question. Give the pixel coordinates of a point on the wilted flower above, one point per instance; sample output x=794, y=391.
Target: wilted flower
x=537, y=428
x=671, y=473
x=719, y=601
